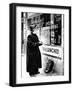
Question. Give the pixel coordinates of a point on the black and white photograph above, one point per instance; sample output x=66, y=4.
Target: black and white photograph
x=41, y=44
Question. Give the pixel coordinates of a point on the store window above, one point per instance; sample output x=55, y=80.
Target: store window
x=49, y=26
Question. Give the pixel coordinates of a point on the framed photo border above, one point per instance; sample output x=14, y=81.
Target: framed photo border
x=12, y=43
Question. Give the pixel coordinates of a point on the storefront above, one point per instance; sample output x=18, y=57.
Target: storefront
x=49, y=29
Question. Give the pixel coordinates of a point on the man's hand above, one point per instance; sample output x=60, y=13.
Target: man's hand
x=41, y=42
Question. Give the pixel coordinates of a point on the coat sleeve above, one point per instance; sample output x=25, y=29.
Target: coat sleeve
x=29, y=42
x=38, y=43
x=33, y=44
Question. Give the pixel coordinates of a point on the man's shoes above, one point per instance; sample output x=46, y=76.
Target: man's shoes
x=31, y=74
x=37, y=72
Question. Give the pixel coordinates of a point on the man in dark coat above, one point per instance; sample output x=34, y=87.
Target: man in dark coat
x=33, y=54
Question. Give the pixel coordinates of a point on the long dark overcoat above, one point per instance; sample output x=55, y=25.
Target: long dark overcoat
x=33, y=53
